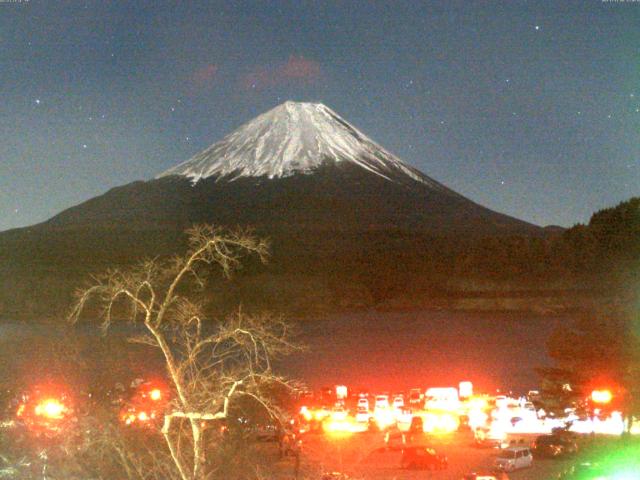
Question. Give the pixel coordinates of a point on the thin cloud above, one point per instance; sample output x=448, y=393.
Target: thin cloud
x=296, y=69
x=203, y=77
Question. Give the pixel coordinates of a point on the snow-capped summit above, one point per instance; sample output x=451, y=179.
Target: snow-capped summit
x=293, y=137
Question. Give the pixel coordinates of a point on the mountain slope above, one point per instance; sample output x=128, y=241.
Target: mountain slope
x=336, y=206
x=298, y=165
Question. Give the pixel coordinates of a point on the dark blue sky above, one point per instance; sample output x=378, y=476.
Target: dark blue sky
x=530, y=108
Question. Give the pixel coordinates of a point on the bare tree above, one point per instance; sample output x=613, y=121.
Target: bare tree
x=210, y=363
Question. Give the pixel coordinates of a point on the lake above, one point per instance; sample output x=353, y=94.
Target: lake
x=396, y=351
x=400, y=350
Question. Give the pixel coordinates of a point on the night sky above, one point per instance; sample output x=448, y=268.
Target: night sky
x=529, y=108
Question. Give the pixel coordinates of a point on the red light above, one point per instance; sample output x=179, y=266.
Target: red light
x=601, y=396
x=50, y=408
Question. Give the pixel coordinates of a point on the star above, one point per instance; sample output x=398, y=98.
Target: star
x=84, y=145
x=501, y=182
x=537, y=27
x=37, y=101
x=508, y=80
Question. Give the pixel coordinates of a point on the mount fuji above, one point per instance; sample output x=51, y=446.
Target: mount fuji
x=323, y=192
x=299, y=165
x=294, y=138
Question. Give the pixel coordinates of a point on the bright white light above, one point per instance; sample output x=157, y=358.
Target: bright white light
x=50, y=408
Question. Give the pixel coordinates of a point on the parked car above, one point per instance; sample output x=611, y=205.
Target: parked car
x=486, y=437
x=421, y=457
x=398, y=403
x=554, y=446
x=362, y=415
x=382, y=401
x=486, y=476
x=415, y=396
x=514, y=458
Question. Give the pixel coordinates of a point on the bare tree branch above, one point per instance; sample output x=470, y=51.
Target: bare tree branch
x=210, y=364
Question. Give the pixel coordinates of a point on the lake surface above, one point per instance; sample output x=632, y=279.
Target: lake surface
x=397, y=351
x=394, y=351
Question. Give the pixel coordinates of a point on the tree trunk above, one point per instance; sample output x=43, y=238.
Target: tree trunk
x=175, y=455
x=198, y=450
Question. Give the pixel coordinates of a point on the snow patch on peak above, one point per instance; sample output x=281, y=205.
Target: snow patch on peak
x=292, y=138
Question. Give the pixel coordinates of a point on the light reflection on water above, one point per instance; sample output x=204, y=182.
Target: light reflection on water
x=392, y=350
x=400, y=350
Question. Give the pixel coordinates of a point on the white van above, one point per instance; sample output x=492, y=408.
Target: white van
x=514, y=458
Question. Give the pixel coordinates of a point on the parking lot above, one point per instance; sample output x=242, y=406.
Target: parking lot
x=366, y=456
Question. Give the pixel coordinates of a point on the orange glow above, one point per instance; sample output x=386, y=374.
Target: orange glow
x=50, y=408
x=304, y=411
x=341, y=391
x=477, y=403
x=339, y=415
x=143, y=417
x=442, y=399
x=440, y=422
x=465, y=389
x=321, y=414
x=601, y=396
x=342, y=427
x=384, y=418
x=477, y=419
x=155, y=394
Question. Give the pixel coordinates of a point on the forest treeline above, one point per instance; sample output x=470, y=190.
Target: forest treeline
x=314, y=270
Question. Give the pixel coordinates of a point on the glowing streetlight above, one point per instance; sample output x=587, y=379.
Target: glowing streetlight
x=50, y=408
x=155, y=394
x=601, y=396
